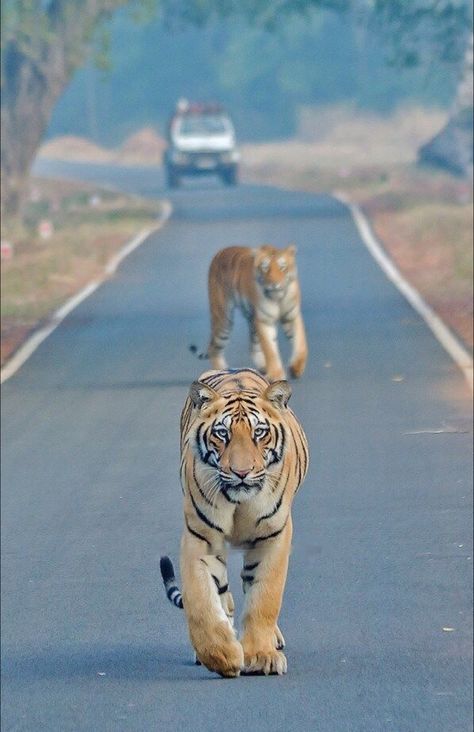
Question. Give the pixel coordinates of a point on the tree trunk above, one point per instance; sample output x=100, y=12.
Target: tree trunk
x=35, y=72
x=30, y=91
x=452, y=147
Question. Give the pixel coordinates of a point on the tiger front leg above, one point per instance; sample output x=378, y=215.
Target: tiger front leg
x=295, y=331
x=263, y=598
x=256, y=352
x=248, y=578
x=208, y=605
x=268, y=338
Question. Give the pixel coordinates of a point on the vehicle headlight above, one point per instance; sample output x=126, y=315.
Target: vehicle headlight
x=179, y=157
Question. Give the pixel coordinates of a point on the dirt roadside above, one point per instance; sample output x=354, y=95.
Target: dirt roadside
x=69, y=234
x=422, y=217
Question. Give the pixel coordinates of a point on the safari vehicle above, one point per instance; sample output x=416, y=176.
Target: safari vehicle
x=201, y=141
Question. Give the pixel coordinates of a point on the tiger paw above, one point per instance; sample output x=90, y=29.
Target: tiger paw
x=259, y=361
x=297, y=367
x=265, y=662
x=226, y=659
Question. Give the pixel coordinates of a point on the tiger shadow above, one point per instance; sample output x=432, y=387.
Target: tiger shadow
x=156, y=662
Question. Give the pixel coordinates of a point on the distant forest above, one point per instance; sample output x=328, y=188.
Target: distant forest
x=263, y=78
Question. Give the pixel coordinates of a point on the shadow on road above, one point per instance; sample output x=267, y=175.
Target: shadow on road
x=132, y=662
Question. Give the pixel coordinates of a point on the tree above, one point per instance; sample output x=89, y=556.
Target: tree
x=452, y=147
x=440, y=29
x=418, y=31
x=43, y=42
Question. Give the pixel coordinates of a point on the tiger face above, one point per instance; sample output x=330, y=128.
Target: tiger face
x=274, y=269
x=241, y=440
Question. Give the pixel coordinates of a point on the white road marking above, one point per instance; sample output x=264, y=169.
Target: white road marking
x=32, y=343
x=447, y=339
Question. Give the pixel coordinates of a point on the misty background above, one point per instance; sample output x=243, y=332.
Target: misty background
x=266, y=79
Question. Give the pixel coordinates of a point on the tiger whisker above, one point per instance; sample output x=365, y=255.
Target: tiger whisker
x=210, y=488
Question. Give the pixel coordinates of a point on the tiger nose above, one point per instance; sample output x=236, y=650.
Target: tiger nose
x=241, y=472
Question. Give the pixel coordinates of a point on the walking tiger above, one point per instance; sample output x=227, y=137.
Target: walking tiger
x=263, y=284
x=244, y=455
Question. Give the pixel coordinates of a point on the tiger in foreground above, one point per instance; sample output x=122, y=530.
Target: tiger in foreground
x=243, y=457
x=263, y=284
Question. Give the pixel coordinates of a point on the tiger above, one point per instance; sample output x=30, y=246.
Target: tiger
x=263, y=284
x=244, y=455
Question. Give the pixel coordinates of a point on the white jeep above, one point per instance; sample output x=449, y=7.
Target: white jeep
x=201, y=140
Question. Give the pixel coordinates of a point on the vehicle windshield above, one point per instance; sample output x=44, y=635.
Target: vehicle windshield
x=203, y=124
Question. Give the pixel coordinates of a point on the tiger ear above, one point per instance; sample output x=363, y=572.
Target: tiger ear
x=201, y=394
x=278, y=394
x=291, y=249
x=255, y=251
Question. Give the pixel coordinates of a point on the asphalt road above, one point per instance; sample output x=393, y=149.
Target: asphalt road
x=377, y=608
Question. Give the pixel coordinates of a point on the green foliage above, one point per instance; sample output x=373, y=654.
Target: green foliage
x=263, y=76
x=266, y=14
x=25, y=24
x=263, y=58
x=31, y=27
x=417, y=29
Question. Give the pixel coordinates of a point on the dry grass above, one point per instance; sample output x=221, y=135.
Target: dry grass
x=144, y=147
x=341, y=139
x=431, y=243
x=423, y=217
x=89, y=225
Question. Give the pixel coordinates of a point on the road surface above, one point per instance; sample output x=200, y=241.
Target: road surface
x=377, y=608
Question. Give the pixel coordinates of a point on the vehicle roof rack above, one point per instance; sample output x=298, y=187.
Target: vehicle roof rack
x=203, y=108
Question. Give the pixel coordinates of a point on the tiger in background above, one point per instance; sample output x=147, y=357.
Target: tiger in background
x=263, y=284
x=243, y=457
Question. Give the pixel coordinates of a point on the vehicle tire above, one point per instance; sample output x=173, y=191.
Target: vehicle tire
x=172, y=178
x=229, y=176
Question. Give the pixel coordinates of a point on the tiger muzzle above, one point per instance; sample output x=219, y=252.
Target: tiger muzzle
x=275, y=292
x=241, y=482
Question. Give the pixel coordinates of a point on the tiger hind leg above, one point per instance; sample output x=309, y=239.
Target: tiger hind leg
x=221, y=326
x=256, y=352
